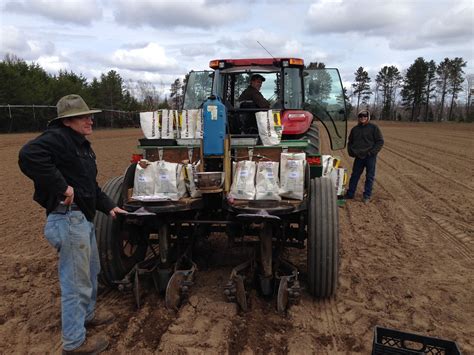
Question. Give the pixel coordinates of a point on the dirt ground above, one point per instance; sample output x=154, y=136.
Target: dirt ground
x=406, y=263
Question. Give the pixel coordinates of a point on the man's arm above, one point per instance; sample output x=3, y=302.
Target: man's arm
x=36, y=160
x=378, y=139
x=349, y=145
x=259, y=100
x=106, y=205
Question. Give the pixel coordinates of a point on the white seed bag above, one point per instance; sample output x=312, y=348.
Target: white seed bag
x=243, y=184
x=144, y=181
x=187, y=124
x=266, y=128
x=267, y=181
x=337, y=178
x=328, y=164
x=190, y=171
x=169, y=181
x=197, y=114
x=292, y=175
x=150, y=124
x=168, y=121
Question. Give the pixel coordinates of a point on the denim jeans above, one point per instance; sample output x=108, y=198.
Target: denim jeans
x=368, y=164
x=73, y=236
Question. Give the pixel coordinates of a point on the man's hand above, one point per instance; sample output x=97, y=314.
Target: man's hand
x=69, y=193
x=116, y=210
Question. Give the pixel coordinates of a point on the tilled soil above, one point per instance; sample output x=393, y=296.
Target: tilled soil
x=406, y=262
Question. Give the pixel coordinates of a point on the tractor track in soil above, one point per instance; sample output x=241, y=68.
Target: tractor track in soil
x=445, y=226
x=406, y=262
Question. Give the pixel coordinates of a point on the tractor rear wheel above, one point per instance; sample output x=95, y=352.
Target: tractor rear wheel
x=312, y=135
x=323, y=239
x=120, y=246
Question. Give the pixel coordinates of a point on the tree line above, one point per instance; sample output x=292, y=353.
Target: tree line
x=426, y=91
x=28, y=96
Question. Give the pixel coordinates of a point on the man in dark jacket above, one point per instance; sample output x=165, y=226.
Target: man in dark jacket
x=365, y=141
x=62, y=165
x=253, y=94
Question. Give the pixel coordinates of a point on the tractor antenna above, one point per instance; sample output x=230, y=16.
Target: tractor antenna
x=266, y=50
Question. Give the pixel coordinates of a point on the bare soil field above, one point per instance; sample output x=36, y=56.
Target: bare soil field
x=406, y=262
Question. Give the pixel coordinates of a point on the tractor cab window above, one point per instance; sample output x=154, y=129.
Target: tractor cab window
x=198, y=88
x=324, y=98
x=270, y=87
x=293, y=93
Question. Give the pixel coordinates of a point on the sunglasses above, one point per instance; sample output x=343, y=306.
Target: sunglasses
x=363, y=115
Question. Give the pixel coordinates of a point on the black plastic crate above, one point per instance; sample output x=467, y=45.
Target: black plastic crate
x=394, y=342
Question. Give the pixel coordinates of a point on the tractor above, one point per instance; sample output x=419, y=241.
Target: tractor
x=157, y=238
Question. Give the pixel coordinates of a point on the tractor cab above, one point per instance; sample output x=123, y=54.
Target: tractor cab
x=301, y=96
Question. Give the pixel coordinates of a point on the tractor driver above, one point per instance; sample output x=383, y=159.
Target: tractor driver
x=253, y=94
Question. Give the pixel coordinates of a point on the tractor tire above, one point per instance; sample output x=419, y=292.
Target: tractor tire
x=120, y=248
x=323, y=239
x=312, y=135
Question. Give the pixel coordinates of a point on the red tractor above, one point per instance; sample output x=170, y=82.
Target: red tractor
x=158, y=236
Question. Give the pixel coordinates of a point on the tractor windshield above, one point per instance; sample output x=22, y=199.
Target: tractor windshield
x=198, y=88
x=324, y=98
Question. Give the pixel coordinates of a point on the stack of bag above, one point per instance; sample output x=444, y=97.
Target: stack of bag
x=161, y=180
x=332, y=170
x=171, y=124
x=260, y=181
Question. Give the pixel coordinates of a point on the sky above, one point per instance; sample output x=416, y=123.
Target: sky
x=159, y=40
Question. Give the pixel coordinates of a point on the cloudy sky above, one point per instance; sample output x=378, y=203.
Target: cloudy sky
x=160, y=40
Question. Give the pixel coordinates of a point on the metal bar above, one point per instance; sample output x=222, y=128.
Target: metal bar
x=193, y=221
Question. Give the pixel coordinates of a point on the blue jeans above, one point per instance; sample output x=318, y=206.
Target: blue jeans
x=73, y=236
x=368, y=164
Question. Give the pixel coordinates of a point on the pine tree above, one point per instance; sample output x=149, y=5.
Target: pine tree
x=413, y=92
x=176, y=94
x=430, y=78
x=388, y=79
x=361, y=87
x=442, y=83
x=455, y=80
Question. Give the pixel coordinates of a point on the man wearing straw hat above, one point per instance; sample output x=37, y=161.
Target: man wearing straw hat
x=62, y=165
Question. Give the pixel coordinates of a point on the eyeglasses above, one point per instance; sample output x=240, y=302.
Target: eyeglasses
x=85, y=117
x=363, y=115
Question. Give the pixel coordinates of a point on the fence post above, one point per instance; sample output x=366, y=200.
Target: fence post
x=11, y=119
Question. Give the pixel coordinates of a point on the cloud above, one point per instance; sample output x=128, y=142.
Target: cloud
x=198, y=50
x=15, y=41
x=170, y=14
x=52, y=64
x=81, y=12
x=456, y=24
x=405, y=25
x=248, y=43
x=363, y=16
x=161, y=82
x=151, y=57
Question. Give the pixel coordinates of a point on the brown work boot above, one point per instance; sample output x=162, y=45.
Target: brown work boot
x=93, y=345
x=100, y=318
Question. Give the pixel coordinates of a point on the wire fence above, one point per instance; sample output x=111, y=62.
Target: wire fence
x=35, y=118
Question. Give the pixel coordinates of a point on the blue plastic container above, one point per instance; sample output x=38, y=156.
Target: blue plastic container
x=215, y=119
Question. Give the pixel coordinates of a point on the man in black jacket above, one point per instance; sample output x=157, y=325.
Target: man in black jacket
x=253, y=94
x=62, y=165
x=365, y=141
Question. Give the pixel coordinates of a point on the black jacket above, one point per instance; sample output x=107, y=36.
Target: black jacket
x=252, y=94
x=365, y=140
x=60, y=157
